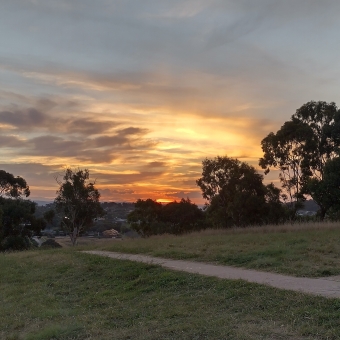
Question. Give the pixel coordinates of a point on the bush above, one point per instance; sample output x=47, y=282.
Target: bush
x=16, y=243
x=50, y=244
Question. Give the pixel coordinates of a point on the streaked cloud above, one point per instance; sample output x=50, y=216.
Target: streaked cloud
x=140, y=92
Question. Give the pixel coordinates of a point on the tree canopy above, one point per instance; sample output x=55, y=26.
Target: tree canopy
x=224, y=176
x=144, y=217
x=301, y=148
x=17, y=221
x=78, y=202
x=235, y=191
x=13, y=186
x=326, y=191
x=182, y=217
x=151, y=218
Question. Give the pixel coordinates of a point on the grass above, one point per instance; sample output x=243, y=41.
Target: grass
x=62, y=294
x=306, y=250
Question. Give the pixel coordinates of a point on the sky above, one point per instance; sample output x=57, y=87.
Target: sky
x=141, y=91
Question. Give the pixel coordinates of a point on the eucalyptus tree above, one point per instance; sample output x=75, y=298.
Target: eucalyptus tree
x=17, y=221
x=234, y=190
x=13, y=186
x=145, y=217
x=78, y=202
x=326, y=191
x=182, y=217
x=300, y=149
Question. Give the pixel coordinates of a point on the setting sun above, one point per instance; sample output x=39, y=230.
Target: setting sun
x=164, y=200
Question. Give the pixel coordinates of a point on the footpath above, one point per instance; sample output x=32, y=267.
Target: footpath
x=328, y=286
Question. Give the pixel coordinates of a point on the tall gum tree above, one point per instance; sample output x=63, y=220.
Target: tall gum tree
x=78, y=201
x=13, y=186
x=300, y=150
x=235, y=189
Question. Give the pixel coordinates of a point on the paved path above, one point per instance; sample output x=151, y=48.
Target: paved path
x=328, y=287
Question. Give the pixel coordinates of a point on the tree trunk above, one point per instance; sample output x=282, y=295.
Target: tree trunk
x=73, y=236
x=322, y=213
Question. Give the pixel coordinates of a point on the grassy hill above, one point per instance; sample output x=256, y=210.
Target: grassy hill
x=311, y=250
x=63, y=294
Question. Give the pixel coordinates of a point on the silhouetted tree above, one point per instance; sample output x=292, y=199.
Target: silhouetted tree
x=18, y=223
x=78, y=201
x=49, y=215
x=152, y=218
x=216, y=214
x=275, y=211
x=145, y=216
x=13, y=186
x=301, y=148
x=326, y=191
x=182, y=217
x=235, y=188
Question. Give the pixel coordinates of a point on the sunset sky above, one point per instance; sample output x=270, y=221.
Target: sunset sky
x=140, y=91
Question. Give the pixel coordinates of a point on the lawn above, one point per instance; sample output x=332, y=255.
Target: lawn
x=310, y=250
x=63, y=294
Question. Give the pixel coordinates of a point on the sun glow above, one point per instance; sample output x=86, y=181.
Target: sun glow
x=164, y=200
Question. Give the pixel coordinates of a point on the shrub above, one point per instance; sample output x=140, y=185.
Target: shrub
x=13, y=242
x=50, y=243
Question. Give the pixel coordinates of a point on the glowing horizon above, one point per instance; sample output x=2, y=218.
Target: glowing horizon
x=140, y=93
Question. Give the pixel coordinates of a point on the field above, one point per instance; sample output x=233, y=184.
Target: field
x=63, y=294
x=306, y=250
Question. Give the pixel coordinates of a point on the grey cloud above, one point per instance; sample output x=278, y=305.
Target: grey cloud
x=108, y=192
x=8, y=141
x=53, y=145
x=96, y=156
x=36, y=174
x=85, y=126
x=228, y=74
x=35, y=120
x=26, y=119
x=128, y=142
x=157, y=164
x=107, y=141
x=229, y=32
x=46, y=104
x=236, y=77
x=121, y=137
x=46, y=146
x=134, y=35
x=132, y=131
x=105, y=178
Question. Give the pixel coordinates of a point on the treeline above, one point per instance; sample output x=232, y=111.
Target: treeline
x=305, y=152
x=153, y=218
x=241, y=200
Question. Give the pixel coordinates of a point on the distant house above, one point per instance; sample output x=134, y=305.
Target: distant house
x=111, y=233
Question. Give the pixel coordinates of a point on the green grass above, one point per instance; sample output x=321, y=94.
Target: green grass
x=62, y=294
x=311, y=250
